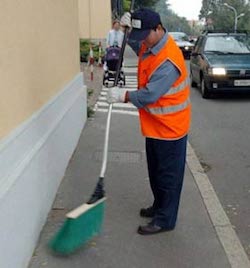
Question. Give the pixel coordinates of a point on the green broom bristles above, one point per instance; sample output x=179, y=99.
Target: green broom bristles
x=80, y=226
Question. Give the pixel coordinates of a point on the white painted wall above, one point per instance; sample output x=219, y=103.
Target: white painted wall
x=33, y=159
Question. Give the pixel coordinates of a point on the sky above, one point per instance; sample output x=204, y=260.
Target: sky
x=186, y=8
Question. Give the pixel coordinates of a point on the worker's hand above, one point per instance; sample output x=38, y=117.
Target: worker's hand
x=116, y=94
x=126, y=20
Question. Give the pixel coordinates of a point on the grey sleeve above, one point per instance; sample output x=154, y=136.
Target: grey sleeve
x=158, y=85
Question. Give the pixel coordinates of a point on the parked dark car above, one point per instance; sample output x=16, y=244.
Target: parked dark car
x=183, y=43
x=221, y=62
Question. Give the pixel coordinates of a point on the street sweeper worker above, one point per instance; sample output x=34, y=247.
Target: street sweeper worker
x=164, y=109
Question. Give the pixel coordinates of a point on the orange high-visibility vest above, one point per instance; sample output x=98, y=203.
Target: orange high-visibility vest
x=169, y=116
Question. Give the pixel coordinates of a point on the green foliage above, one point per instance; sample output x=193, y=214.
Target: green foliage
x=126, y=5
x=138, y=4
x=145, y=3
x=84, y=50
x=162, y=7
x=90, y=111
x=170, y=20
x=90, y=92
x=174, y=23
x=222, y=17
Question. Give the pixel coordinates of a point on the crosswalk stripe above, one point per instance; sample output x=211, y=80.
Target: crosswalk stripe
x=131, y=79
x=130, y=69
x=130, y=86
x=121, y=108
x=117, y=105
x=135, y=113
x=102, y=98
x=131, y=82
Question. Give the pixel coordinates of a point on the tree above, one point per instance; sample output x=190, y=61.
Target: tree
x=126, y=5
x=174, y=23
x=116, y=7
x=222, y=17
x=162, y=7
x=170, y=20
x=139, y=4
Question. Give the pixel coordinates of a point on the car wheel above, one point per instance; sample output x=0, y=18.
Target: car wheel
x=193, y=83
x=204, y=90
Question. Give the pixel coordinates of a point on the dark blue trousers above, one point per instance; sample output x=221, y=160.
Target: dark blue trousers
x=166, y=166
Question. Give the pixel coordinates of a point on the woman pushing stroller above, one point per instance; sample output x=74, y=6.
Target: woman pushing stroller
x=115, y=35
x=113, y=44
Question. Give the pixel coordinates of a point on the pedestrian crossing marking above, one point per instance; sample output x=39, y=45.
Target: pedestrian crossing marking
x=102, y=110
x=117, y=105
x=121, y=108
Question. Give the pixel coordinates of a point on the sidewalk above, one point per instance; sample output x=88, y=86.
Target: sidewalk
x=193, y=243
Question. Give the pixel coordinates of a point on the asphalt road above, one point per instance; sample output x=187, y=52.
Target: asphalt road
x=220, y=135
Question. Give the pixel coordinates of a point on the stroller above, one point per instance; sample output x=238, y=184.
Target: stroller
x=112, y=58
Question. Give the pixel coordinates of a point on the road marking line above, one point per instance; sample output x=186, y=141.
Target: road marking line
x=131, y=83
x=233, y=248
x=131, y=79
x=117, y=105
x=130, y=70
x=128, y=87
x=135, y=113
x=101, y=98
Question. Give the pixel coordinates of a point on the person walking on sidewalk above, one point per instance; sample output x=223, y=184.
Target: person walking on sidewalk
x=115, y=35
x=114, y=39
x=164, y=108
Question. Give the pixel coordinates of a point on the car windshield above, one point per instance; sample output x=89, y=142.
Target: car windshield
x=230, y=44
x=179, y=36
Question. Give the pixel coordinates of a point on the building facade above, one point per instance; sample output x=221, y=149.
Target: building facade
x=42, y=113
x=94, y=19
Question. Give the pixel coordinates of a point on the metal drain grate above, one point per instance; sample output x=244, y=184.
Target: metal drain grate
x=121, y=157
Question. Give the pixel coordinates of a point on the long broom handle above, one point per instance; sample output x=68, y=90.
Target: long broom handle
x=106, y=140
x=119, y=64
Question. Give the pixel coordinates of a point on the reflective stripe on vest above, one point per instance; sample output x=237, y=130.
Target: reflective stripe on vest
x=180, y=87
x=169, y=109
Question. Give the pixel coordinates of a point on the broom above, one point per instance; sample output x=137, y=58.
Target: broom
x=85, y=222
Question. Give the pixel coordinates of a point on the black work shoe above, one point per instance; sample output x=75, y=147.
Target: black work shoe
x=147, y=212
x=151, y=229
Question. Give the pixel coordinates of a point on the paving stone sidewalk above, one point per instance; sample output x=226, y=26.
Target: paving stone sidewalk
x=193, y=244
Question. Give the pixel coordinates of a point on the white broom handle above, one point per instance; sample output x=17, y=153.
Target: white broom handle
x=124, y=41
x=106, y=141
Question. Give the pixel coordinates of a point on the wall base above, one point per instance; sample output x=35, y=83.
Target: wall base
x=33, y=160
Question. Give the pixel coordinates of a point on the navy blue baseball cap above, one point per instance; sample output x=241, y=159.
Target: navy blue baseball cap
x=143, y=21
